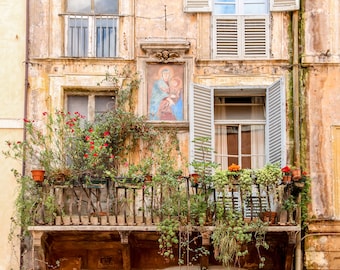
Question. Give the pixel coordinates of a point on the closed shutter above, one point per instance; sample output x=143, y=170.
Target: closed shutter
x=255, y=37
x=197, y=6
x=201, y=123
x=276, y=123
x=226, y=37
x=284, y=5
x=241, y=37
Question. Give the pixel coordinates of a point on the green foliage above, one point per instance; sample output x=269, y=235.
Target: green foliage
x=229, y=237
x=168, y=229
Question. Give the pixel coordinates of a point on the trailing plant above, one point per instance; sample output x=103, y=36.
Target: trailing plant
x=229, y=238
x=168, y=229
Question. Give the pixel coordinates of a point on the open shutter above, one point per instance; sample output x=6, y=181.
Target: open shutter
x=226, y=37
x=201, y=123
x=197, y=6
x=256, y=37
x=276, y=123
x=284, y=5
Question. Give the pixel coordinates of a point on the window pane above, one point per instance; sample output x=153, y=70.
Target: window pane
x=104, y=104
x=256, y=9
x=78, y=104
x=106, y=6
x=224, y=7
x=77, y=36
x=83, y=6
x=239, y=108
x=106, y=31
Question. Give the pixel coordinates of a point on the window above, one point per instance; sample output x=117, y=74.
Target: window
x=90, y=104
x=91, y=28
x=241, y=29
x=239, y=130
x=246, y=126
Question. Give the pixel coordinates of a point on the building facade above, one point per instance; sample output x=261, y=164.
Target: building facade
x=250, y=75
x=13, y=85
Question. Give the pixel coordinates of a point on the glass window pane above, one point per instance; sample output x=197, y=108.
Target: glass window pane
x=255, y=9
x=82, y=6
x=77, y=36
x=106, y=6
x=220, y=10
x=106, y=32
x=78, y=104
x=104, y=104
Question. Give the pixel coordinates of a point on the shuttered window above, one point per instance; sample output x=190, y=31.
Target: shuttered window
x=276, y=123
x=201, y=124
x=284, y=5
x=197, y=5
x=241, y=37
x=258, y=133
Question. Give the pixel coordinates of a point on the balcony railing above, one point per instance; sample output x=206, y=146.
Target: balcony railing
x=102, y=202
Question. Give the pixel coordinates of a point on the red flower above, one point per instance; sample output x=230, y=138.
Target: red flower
x=91, y=130
x=106, y=133
x=87, y=138
x=26, y=120
x=106, y=144
x=95, y=155
x=285, y=169
x=86, y=155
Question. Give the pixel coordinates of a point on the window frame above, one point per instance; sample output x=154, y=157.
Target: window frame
x=91, y=43
x=274, y=5
x=202, y=121
x=91, y=94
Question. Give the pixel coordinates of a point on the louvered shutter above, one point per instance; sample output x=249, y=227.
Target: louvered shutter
x=284, y=5
x=197, y=5
x=201, y=122
x=276, y=123
x=255, y=37
x=227, y=37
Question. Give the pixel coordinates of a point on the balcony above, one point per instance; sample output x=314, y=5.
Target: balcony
x=125, y=207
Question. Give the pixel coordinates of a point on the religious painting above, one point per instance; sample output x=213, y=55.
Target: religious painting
x=165, y=86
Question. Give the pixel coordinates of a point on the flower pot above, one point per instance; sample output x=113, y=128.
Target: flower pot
x=286, y=179
x=38, y=175
x=296, y=174
x=148, y=178
x=268, y=217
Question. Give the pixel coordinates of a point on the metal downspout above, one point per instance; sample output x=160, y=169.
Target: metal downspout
x=296, y=122
x=26, y=85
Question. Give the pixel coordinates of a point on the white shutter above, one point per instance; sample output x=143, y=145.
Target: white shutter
x=255, y=37
x=197, y=6
x=284, y=5
x=226, y=37
x=276, y=123
x=201, y=122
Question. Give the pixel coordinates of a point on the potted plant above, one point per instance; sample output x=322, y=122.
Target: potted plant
x=286, y=175
x=268, y=179
x=49, y=144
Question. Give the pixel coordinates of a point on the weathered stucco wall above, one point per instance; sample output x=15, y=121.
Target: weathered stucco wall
x=12, y=56
x=321, y=68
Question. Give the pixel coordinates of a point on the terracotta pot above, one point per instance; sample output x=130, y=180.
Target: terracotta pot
x=148, y=178
x=296, y=174
x=269, y=217
x=194, y=177
x=38, y=175
x=286, y=179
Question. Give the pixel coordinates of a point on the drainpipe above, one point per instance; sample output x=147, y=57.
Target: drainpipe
x=26, y=76
x=296, y=122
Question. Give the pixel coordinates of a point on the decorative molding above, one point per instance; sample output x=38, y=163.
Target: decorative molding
x=164, y=50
